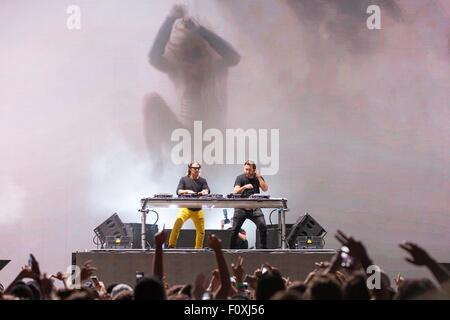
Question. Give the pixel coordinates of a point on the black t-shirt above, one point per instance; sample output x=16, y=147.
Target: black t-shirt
x=242, y=180
x=187, y=183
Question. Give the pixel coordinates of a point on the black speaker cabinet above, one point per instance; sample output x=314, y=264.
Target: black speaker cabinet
x=134, y=232
x=272, y=236
x=186, y=239
x=111, y=227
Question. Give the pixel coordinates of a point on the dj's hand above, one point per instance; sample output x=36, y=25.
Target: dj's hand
x=203, y=192
x=248, y=186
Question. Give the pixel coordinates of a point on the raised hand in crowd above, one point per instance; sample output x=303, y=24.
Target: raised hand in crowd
x=214, y=283
x=199, y=286
x=399, y=280
x=252, y=279
x=158, y=267
x=311, y=276
x=27, y=273
x=238, y=270
x=47, y=287
x=30, y=271
x=356, y=249
x=271, y=269
x=225, y=284
x=63, y=277
x=420, y=257
x=87, y=270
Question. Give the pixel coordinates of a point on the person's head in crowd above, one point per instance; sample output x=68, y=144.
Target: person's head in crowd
x=412, y=289
x=240, y=296
x=150, y=289
x=356, y=288
x=124, y=295
x=179, y=289
x=22, y=291
x=324, y=287
x=119, y=288
x=111, y=287
x=35, y=288
x=298, y=287
x=90, y=287
x=175, y=289
x=82, y=294
x=63, y=294
x=386, y=292
x=268, y=284
x=179, y=296
x=287, y=295
x=187, y=290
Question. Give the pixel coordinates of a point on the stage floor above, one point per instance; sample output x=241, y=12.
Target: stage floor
x=182, y=265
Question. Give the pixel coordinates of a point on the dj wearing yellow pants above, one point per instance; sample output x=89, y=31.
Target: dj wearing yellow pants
x=191, y=184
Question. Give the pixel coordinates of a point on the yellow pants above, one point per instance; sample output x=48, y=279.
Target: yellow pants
x=199, y=222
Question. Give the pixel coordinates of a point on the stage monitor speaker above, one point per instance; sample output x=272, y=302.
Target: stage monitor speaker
x=186, y=239
x=110, y=230
x=272, y=236
x=308, y=230
x=114, y=242
x=309, y=242
x=134, y=231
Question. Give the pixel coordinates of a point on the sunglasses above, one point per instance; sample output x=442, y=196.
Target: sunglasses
x=196, y=168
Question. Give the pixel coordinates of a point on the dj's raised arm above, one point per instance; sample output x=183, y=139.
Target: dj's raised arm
x=248, y=183
x=251, y=181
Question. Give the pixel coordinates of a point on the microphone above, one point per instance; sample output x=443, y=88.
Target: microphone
x=225, y=214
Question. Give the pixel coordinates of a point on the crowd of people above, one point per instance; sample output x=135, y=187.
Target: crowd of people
x=329, y=281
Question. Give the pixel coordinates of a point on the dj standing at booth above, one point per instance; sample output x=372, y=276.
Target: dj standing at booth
x=191, y=184
x=247, y=184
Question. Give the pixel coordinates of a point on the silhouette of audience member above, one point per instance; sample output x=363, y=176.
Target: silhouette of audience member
x=324, y=287
x=327, y=282
x=356, y=288
x=149, y=288
x=269, y=284
x=412, y=289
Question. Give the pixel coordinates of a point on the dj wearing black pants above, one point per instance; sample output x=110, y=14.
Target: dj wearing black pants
x=247, y=184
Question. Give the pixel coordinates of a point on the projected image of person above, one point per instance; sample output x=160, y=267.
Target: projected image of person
x=196, y=61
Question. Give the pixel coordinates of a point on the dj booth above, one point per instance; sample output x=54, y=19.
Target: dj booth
x=181, y=265
x=217, y=201
x=306, y=233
